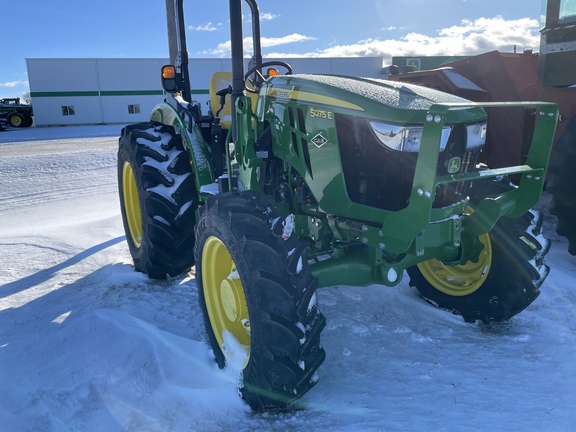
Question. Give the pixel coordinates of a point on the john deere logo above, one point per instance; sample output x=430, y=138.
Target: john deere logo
x=454, y=165
x=319, y=140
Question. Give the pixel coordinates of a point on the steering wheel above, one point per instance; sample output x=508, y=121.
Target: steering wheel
x=258, y=78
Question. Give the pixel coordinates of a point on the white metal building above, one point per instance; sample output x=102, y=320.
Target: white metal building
x=73, y=91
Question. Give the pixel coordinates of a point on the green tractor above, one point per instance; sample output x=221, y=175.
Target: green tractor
x=17, y=114
x=305, y=181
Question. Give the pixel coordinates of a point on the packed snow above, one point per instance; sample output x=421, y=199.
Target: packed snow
x=88, y=344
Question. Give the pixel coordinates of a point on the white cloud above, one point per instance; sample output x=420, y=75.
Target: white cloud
x=470, y=37
x=294, y=37
x=268, y=16
x=205, y=27
x=392, y=28
x=224, y=48
x=264, y=16
x=11, y=84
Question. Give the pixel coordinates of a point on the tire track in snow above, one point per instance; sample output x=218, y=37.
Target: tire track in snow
x=35, y=176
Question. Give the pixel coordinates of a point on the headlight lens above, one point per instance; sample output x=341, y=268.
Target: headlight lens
x=476, y=136
x=404, y=137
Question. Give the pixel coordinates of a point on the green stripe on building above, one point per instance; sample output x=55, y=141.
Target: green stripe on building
x=96, y=93
x=64, y=94
x=132, y=93
x=108, y=93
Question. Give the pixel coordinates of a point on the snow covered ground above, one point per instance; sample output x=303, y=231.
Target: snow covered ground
x=87, y=344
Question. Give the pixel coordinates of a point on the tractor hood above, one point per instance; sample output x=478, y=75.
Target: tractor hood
x=370, y=97
x=338, y=133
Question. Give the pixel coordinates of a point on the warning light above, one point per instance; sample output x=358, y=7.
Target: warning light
x=168, y=72
x=271, y=72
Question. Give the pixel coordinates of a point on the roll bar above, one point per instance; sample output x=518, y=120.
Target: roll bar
x=178, y=48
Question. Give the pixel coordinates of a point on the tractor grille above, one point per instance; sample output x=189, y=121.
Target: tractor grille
x=380, y=177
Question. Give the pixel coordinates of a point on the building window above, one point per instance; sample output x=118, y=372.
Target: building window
x=415, y=63
x=68, y=111
x=134, y=109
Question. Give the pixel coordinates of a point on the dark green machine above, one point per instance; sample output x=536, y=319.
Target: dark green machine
x=319, y=180
x=17, y=114
x=557, y=69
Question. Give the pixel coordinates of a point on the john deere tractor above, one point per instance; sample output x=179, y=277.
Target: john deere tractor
x=17, y=114
x=298, y=182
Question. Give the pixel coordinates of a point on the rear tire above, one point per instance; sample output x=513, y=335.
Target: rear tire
x=504, y=281
x=158, y=199
x=258, y=298
x=562, y=185
x=16, y=119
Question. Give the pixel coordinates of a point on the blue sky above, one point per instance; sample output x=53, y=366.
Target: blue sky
x=137, y=28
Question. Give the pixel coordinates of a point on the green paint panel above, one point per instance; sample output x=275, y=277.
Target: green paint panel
x=64, y=94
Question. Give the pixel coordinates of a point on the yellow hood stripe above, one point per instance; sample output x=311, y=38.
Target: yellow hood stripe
x=311, y=98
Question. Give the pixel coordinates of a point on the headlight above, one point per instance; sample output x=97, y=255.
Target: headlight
x=404, y=137
x=476, y=136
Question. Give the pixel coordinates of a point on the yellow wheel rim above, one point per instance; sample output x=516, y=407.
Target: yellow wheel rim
x=459, y=280
x=226, y=302
x=15, y=121
x=132, y=204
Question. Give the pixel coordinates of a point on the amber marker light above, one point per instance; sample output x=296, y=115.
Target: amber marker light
x=272, y=72
x=168, y=72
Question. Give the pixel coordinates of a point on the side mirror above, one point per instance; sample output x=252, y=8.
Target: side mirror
x=170, y=79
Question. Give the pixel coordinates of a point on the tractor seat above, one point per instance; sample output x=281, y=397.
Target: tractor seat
x=220, y=81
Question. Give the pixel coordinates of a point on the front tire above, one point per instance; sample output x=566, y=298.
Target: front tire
x=507, y=276
x=258, y=298
x=158, y=199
